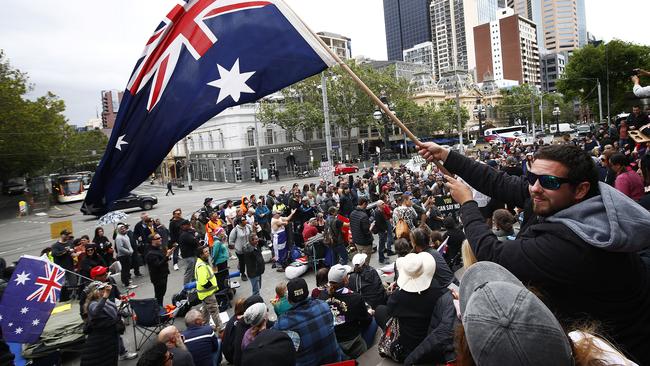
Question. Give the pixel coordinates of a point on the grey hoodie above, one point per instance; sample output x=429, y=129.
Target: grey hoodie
x=610, y=221
x=239, y=239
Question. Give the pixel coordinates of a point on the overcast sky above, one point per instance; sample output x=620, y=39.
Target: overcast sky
x=77, y=48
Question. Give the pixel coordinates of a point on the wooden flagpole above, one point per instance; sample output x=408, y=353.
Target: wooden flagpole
x=373, y=97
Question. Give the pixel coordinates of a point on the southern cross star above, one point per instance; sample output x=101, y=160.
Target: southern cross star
x=21, y=278
x=232, y=82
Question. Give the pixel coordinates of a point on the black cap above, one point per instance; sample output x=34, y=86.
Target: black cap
x=66, y=232
x=207, y=200
x=297, y=290
x=185, y=222
x=271, y=347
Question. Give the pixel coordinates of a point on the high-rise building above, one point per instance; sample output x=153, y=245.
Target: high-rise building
x=487, y=9
x=342, y=45
x=420, y=54
x=552, y=67
x=561, y=24
x=564, y=25
x=110, y=106
x=506, y=49
x=452, y=23
x=407, y=24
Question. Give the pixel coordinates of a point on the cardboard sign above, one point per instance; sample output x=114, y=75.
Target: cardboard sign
x=57, y=227
x=447, y=205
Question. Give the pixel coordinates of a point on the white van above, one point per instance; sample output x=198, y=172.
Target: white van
x=564, y=128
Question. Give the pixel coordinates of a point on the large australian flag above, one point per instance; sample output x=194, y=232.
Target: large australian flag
x=29, y=298
x=205, y=56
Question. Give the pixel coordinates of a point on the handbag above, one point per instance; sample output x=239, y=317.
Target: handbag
x=389, y=342
x=402, y=229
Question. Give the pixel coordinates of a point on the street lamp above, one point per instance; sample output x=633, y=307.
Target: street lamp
x=479, y=112
x=378, y=115
x=556, y=113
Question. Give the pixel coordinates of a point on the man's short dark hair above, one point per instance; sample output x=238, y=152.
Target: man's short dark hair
x=154, y=355
x=362, y=201
x=580, y=165
x=619, y=159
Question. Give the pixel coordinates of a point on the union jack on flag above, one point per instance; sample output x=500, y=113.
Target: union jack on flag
x=29, y=298
x=49, y=284
x=205, y=56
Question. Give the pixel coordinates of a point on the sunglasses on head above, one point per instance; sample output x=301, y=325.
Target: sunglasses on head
x=546, y=181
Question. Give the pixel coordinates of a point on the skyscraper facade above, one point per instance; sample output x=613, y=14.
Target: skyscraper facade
x=407, y=24
x=561, y=24
x=452, y=23
x=110, y=106
x=487, y=9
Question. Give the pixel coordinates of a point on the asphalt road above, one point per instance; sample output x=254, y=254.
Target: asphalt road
x=31, y=234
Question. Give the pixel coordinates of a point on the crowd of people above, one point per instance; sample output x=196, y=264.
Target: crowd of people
x=544, y=261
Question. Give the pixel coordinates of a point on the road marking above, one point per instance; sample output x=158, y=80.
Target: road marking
x=13, y=250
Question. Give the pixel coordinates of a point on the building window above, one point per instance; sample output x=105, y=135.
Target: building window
x=289, y=136
x=308, y=133
x=221, y=140
x=269, y=136
x=250, y=137
x=319, y=134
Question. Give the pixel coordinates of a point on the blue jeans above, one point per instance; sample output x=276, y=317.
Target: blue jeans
x=256, y=283
x=369, y=333
x=216, y=356
x=341, y=253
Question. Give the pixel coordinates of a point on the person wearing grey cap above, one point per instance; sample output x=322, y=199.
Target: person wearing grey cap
x=506, y=324
x=578, y=244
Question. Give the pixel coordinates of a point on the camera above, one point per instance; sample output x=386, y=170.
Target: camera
x=635, y=72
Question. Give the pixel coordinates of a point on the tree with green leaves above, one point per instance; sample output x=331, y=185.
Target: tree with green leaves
x=350, y=107
x=516, y=105
x=31, y=132
x=616, y=60
x=448, y=116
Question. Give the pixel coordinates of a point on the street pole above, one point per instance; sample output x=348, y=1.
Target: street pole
x=257, y=146
x=326, y=115
x=460, y=130
x=541, y=113
x=187, y=165
x=600, y=103
x=532, y=114
x=607, y=73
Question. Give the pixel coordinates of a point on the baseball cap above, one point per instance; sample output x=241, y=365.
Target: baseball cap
x=66, y=232
x=185, y=222
x=207, y=200
x=297, y=290
x=505, y=324
x=359, y=258
x=98, y=271
x=338, y=272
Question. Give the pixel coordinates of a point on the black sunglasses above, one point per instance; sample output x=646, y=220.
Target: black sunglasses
x=546, y=181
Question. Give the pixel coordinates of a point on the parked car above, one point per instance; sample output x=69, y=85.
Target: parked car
x=133, y=200
x=583, y=130
x=345, y=169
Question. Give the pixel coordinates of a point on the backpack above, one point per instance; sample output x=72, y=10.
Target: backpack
x=328, y=238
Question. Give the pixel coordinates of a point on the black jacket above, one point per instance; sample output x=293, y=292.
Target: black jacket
x=188, y=244
x=174, y=230
x=360, y=227
x=351, y=308
x=438, y=346
x=254, y=263
x=578, y=281
x=381, y=223
x=346, y=204
x=368, y=284
x=158, y=264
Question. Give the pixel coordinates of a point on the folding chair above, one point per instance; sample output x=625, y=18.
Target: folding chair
x=148, y=319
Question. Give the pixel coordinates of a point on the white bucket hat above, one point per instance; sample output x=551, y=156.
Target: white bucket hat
x=415, y=271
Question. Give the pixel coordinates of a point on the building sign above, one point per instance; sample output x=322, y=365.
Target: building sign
x=447, y=205
x=285, y=149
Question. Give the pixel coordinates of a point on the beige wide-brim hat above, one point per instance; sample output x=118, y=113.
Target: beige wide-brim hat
x=415, y=271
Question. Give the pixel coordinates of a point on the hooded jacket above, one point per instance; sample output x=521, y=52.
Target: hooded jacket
x=583, y=259
x=239, y=238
